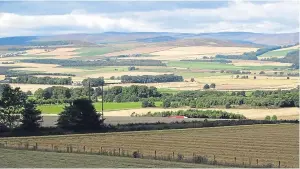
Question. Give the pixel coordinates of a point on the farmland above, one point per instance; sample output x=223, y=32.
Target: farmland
x=55, y=109
x=279, y=52
x=34, y=159
x=240, y=144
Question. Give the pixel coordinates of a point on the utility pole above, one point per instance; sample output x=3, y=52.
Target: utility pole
x=89, y=89
x=102, y=100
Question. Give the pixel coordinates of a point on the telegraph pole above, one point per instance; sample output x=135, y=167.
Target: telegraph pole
x=89, y=89
x=102, y=100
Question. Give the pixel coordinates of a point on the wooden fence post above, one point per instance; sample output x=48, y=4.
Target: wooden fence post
x=83, y=148
x=52, y=146
x=278, y=164
x=173, y=155
x=257, y=162
x=155, y=154
x=119, y=152
x=36, y=146
x=235, y=160
x=214, y=158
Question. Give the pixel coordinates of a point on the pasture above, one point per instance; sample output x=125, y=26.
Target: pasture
x=279, y=52
x=33, y=159
x=108, y=106
x=262, y=144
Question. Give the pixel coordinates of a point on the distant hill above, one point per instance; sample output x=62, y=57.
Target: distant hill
x=244, y=38
x=257, y=38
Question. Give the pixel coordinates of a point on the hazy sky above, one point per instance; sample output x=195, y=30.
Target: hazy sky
x=45, y=18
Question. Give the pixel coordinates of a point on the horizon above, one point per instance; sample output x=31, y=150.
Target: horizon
x=44, y=18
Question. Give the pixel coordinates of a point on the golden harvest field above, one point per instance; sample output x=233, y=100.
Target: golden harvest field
x=267, y=143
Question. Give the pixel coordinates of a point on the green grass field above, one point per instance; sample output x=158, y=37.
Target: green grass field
x=57, y=108
x=36, y=159
x=94, y=51
x=216, y=66
x=276, y=53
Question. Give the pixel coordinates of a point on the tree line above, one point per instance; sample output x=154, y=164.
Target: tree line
x=94, y=82
x=207, y=99
x=57, y=94
x=291, y=57
x=132, y=93
x=15, y=74
x=249, y=55
x=209, y=60
x=193, y=113
x=151, y=78
x=105, y=62
x=41, y=80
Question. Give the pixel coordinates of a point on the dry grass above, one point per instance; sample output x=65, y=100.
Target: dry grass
x=140, y=50
x=59, y=53
x=228, y=83
x=194, y=52
x=267, y=143
x=258, y=63
x=257, y=114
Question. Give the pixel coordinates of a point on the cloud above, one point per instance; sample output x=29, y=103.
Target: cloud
x=273, y=17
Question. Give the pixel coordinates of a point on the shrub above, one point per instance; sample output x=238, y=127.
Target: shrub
x=206, y=86
x=136, y=154
x=274, y=118
x=166, y=103
x=268, y=118
x=213, y=85
x=227, y=106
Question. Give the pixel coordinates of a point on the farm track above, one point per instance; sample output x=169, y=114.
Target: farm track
x=267, y=143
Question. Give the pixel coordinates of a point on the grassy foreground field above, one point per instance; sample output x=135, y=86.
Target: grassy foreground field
x=268, y=144
x=34, y=159
x=57, y=108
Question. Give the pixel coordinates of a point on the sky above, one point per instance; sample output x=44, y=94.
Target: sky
x=26, y=18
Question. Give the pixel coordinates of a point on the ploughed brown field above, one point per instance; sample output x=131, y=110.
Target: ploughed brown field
x=268, y=144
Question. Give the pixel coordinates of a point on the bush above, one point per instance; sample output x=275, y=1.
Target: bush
x=268, y=118
x=166, y=103
x=213, y=85
x=228, y=106
x=274, y=118
x=147, y=103
x=136, y=154
x=206, y=86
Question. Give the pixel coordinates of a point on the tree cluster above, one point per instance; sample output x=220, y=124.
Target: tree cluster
x=151, y=78
x=41, y=80
x=193, y=113
x=16, y=110
x=106, y=62
x=132, y=93
x=210, y=60
x=16, y=74
x=94, y=82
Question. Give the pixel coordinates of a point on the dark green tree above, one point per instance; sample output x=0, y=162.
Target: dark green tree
x=206, y=86
x=166, y=103
x=80, y=115
x=30, y=117
x=213, y=85
x=11, y=104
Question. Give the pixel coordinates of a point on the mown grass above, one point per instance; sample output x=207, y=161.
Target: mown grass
x=217, y=66
x=57, y=108
x=35, y=159
x=277, y=53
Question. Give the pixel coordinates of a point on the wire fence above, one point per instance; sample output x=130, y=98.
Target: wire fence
x=156, y=155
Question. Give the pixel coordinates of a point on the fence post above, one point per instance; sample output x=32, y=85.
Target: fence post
x=194, y=159
x=52, y=146
x=83, y=148
x=101, y=150
x=155, y=154
x=278, y=164
x=119, y=152
x=257, y=162
x=173, y=155
x=214, y=158
x=235, y=160
x=36, y=146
